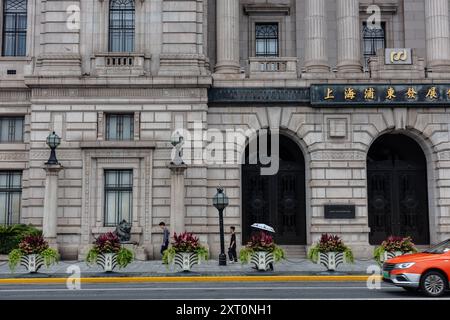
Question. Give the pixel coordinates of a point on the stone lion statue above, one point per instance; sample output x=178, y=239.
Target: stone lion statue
x=123, y=231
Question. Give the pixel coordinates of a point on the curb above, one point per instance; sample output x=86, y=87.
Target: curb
x=349, y=278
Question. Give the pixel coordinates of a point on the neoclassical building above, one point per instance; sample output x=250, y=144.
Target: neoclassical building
x=356, y=92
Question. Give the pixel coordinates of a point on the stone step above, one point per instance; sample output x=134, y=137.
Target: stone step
x=294, y=252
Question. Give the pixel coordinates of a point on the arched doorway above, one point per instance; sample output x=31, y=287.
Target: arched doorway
x=397, y=189
x=277, y=200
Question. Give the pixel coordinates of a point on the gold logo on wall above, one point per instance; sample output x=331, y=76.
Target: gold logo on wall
x=397, y=56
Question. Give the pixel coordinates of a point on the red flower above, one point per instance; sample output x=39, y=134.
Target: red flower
x=107, y=243
x=185, y=242
x=33, y=244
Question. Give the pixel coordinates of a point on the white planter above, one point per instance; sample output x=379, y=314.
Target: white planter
x=185, y=260
x=392, y=254
x=331, y=260
x=108, y=261
x=262, y=260
x=32, y=262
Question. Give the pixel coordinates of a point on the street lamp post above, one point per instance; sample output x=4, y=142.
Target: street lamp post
x=53, y=141
x=220, y=201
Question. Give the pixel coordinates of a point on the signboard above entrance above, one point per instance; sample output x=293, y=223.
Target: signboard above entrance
x=364, y=95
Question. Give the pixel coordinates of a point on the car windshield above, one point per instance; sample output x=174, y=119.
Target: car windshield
x=440, y=248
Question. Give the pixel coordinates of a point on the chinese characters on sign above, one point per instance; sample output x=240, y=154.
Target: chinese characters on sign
x=413, y=94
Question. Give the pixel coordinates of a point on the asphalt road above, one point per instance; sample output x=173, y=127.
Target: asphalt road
x=231, y=290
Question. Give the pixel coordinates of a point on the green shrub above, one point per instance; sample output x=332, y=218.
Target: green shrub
x=10, y=236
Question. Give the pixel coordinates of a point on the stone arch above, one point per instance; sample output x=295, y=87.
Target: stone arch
x=429, y=153
x=302, y=148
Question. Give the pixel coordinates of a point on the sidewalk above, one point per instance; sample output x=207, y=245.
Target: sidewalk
x=208, y=268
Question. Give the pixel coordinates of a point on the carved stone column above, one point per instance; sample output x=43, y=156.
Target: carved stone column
x=227, y=36
x=349, y=39
x=50, y=220
x=177, y=195
x=437, y=35
x=316, y=57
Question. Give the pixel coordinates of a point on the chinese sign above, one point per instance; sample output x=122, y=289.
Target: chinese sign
x=398, y=56
x=386, y=94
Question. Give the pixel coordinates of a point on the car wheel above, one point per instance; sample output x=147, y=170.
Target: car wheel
x=433, y=284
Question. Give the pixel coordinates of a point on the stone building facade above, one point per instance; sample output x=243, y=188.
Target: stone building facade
x=364, y=130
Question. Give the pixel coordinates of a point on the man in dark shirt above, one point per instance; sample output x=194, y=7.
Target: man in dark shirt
x=232, y=249
x=166, y=236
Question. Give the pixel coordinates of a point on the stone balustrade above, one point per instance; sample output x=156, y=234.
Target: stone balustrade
x=273, y=67
x=120, y=64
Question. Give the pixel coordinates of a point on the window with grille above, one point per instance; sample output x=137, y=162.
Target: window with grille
x=121, y=25
x=118, y=196
x=14, y=33
x=266, y=35
x=374, y=38
x=10, y=197
x=11, y=129
x=119, y=127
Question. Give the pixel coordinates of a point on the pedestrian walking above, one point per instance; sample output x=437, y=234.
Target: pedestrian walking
x=232, y=248
x=166, y=236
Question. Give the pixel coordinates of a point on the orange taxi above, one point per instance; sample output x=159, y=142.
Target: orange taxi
x=427, y=271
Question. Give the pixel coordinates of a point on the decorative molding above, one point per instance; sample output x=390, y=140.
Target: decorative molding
x=338, y=155
x=272, y=9
x=118, y=92
x=386, y=8
x=94, y=162
x=15, y=96
x=61, y=154
x=444, y=156
x=118, y=145
x=14, y=156
x=259, y=95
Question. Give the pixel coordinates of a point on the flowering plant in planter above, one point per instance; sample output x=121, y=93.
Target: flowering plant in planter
x=330, y=251
x=108, y=252
x=185, y=250
x=262, y=251
x=33, y=253
x=392, y=247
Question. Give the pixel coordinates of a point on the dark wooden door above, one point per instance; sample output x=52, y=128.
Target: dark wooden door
x=277, y=200
x=397, y=190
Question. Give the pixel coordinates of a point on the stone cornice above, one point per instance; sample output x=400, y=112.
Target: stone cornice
x=120, y=82
x=117, y=95
x=117, y=145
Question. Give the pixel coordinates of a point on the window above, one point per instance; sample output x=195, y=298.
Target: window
x=266, y=39
x=121, y=26
x=119, y=127
x=10, y=197
x=14, y=27
x=373, y=40
x=118, y=196
x=11, y=129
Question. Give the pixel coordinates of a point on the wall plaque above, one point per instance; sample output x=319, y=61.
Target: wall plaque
x=338, y=211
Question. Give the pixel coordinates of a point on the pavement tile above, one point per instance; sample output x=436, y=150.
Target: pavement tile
x=211, y=268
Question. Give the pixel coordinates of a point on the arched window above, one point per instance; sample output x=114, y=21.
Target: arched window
x=121, y=26
x=266, y=39
x=14, y=28
x=373, y=39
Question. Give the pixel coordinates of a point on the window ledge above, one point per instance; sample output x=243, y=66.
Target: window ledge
x=117, y=145
x=14, y=58
x=273, y=9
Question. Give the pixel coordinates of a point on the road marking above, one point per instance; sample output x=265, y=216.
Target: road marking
x=190, y=289
x=350, y=278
